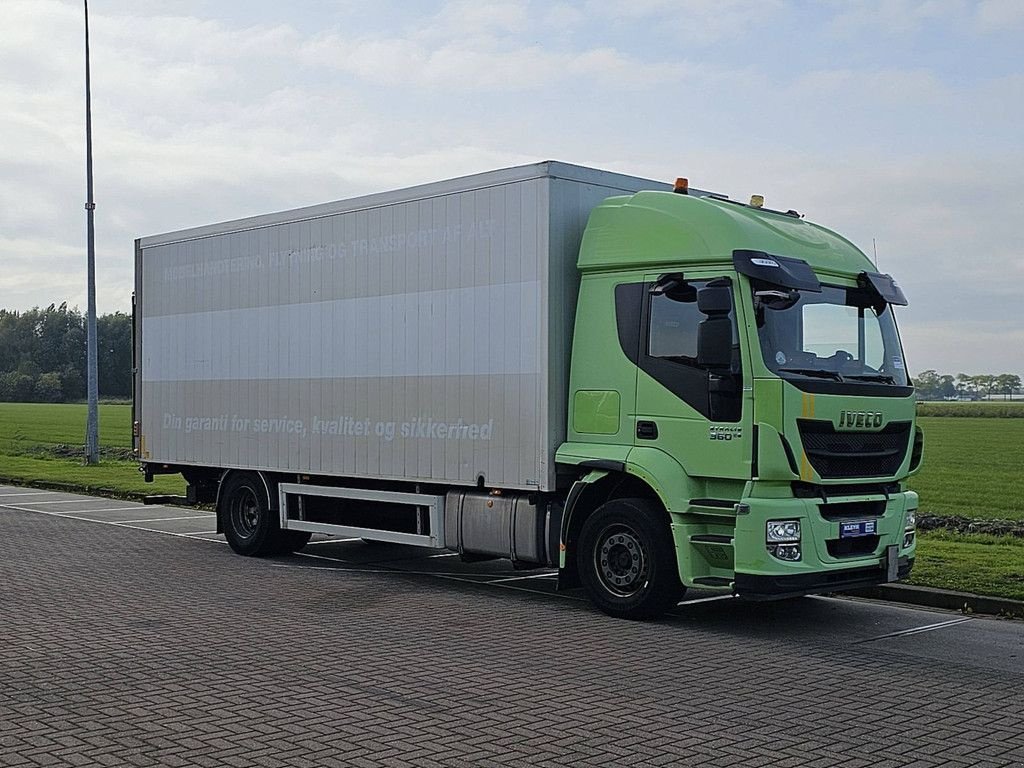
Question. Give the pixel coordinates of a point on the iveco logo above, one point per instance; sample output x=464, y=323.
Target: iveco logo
x=854, y=419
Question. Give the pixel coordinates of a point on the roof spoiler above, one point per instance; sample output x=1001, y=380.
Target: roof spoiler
x=884, y=286
x=783, y=271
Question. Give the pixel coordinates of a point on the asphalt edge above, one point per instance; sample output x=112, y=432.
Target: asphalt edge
x=930, y=597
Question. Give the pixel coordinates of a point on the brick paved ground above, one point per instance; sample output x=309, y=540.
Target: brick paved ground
x=121, y=646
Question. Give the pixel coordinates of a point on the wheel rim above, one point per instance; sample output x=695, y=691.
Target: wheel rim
x=245, y=513
x=620, y=560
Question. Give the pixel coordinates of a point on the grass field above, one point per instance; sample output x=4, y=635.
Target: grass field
x=985, y=565
x=973, y=467
x=41, y=443
x=983, y=409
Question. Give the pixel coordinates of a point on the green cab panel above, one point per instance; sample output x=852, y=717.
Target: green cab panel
x=596, y=412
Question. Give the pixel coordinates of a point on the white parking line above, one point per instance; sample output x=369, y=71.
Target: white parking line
x=89, y=511
x=64, y=501
x=919, y=630
x=74, y=516
x=28, y=493
x=546, y=575
x=333, y=541
x=155, y=519
x=707, y=599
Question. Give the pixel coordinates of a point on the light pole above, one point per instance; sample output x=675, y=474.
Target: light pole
x=92, y=440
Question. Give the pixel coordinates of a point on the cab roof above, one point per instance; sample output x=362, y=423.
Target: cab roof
x=655, y=229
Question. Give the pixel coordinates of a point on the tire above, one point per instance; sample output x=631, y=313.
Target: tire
x=250, y=527
x=627, y=560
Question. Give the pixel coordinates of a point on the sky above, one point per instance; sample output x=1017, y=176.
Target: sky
x=897, y=123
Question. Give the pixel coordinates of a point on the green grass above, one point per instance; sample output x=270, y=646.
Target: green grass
x=984, y=565
x=972, y=467
x=982, y=409
x=38, y=443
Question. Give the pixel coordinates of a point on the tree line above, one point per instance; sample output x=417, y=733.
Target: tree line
x=931, y=385
x=42, y=355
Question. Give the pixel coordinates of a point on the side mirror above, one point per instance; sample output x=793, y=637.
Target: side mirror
x=714, y=335
x=714, y=300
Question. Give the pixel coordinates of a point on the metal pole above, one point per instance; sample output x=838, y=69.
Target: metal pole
x=92, y=442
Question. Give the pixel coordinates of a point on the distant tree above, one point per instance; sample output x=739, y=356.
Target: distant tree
x=114, y=354
x=927, y=385
x=947, y=386
x=48, y=388
x=966, y=385
x=21, y=387
x=1007, y=384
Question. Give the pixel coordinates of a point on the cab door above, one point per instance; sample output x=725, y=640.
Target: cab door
x=694, y=411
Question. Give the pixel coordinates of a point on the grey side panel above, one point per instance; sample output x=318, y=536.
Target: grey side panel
x=418, y=337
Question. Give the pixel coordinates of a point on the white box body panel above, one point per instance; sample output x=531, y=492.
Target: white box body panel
x=418, y=335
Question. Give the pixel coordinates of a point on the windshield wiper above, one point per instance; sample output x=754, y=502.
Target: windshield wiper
x=872, y=377
x=821, y=373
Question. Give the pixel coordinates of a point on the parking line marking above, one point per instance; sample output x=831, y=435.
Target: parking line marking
x=28, y=493
x=445, y=554
x=153, y=519
x=919, y=630
x=63, y=501
x=333, y=541
x=87, y=511
x=72, y=516
x=520, y=578
x=706, y=599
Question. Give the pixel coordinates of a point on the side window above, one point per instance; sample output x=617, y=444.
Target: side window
x=672, y=332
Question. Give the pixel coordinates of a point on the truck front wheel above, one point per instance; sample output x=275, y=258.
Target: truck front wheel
x=626, y=560
x=250, y=526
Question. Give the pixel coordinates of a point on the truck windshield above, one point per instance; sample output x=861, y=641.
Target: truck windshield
x=841, y=334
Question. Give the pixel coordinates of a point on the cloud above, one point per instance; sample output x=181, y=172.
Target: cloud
x=698, y=22
x=894, y=17
x=484, y=63
x=1000, y=16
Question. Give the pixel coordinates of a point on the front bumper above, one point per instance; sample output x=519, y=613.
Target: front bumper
x=757, y=587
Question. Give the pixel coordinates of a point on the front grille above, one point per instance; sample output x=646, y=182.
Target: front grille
x=855, y=510
x=858, y=547
x=854, y=454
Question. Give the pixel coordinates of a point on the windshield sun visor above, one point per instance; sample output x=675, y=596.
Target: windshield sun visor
x=783, y=271
x=884, y=286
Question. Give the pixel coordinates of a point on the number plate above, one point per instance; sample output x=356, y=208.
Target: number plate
x=858, y=528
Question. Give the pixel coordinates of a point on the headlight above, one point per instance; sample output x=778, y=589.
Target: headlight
x=911, y=521
x=782, y=531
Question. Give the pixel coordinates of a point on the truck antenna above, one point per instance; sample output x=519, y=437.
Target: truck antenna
x=874, y=247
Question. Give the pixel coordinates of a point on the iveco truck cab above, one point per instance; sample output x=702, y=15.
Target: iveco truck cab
x=739, y=369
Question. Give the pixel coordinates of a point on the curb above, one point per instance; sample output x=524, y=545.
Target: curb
x=965, y=602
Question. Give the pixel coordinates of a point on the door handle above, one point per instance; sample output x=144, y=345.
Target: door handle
x=646, y=430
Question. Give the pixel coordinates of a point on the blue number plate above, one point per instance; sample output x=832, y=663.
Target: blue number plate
x=859, y=528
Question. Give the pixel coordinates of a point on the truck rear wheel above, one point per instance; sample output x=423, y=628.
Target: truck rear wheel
x=250, y=526
x=626, y=560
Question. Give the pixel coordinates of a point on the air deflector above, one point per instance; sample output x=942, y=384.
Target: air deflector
x=783, y=271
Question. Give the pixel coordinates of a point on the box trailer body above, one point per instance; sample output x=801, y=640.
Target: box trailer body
x=422, y=335
x=646, y=386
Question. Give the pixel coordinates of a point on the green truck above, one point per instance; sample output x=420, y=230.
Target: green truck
x=646, y=386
